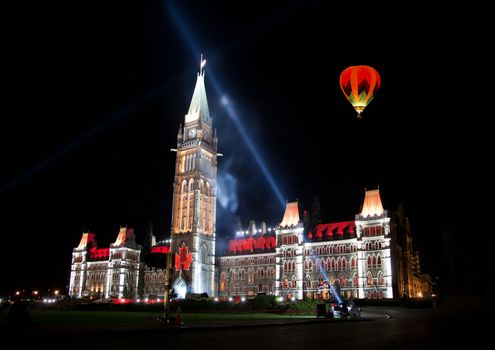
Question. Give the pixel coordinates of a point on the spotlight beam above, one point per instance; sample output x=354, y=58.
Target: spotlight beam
x=179, y=22
x=124, y=112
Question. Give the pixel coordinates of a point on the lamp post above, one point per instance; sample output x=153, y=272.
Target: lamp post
x=228, y=286
x=166, y=296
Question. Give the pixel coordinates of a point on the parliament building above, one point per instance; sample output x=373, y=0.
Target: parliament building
x=369, y=257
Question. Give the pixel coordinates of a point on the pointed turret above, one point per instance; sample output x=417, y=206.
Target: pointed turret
x=179, y=135
x=86, y=239
x=372, y=206
x=291, y=215
x=198, y=109
x=125, y=238
x=215, y=138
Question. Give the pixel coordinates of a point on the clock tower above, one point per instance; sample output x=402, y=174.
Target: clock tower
x=194, y=198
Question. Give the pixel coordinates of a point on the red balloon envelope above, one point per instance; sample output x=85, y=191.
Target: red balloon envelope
x=360, y=84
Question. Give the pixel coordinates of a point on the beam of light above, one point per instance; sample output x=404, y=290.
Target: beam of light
x=88, y=135
x=227, y=189
x=179, y=22
x=326, y=278
x=250, y=145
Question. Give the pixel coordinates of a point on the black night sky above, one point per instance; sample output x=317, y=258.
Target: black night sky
x=96, y=93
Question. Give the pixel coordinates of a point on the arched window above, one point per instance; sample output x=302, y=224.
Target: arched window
x=293, y=265
x=308, y=281
x=294, y=282
x=284, y=283
x=329, y=264
x=369, y=261
x=223, y=282
x=342, y=279
x=369, y=279
x=334, y=265
x=344, y=263
x=352, y=263
x=339, y=264
x=250, y=276
x=355, y=280
x=284, y=267
x=373, y=259
x=260, y=287
x=203, y=257
x=381, y=280
x=379, y=261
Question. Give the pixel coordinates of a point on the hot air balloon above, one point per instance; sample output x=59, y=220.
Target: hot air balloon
x=359, y=84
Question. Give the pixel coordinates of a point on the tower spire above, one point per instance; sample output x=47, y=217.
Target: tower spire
x=201, y=65
x=198, y=109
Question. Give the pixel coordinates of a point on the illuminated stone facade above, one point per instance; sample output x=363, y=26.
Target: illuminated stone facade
x=106, y=272
x=370, y=257
x=353, y=258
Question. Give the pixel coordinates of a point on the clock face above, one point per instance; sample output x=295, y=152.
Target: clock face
x=192, y=132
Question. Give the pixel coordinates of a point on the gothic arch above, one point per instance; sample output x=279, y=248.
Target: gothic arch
x=203, y=254
x=180, y=287
x=381, y=280
x=369, y=278
x=223, y=282
x=355, y=279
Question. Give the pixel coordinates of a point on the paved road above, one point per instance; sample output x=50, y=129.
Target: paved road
x=404, y=329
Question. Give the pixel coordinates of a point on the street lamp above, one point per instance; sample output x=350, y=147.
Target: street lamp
x=228, y=286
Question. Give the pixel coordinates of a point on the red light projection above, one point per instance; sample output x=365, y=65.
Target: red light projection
x=334, y=230
x=99, y=254
x=160, y=249
x=250, y=244
x=184, y=259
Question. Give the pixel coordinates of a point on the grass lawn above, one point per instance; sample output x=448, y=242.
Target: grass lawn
x=87, y=317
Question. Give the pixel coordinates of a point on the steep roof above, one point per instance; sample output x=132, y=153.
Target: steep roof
x=198, y=109
x=86, y=239
x=372, y=205
x=125, y=238
x=291, y=215
x=331, y=231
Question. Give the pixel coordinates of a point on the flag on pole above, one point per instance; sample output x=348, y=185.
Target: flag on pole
x=201, y=64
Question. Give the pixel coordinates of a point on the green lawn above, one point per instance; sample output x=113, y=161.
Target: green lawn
x=72, y=317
